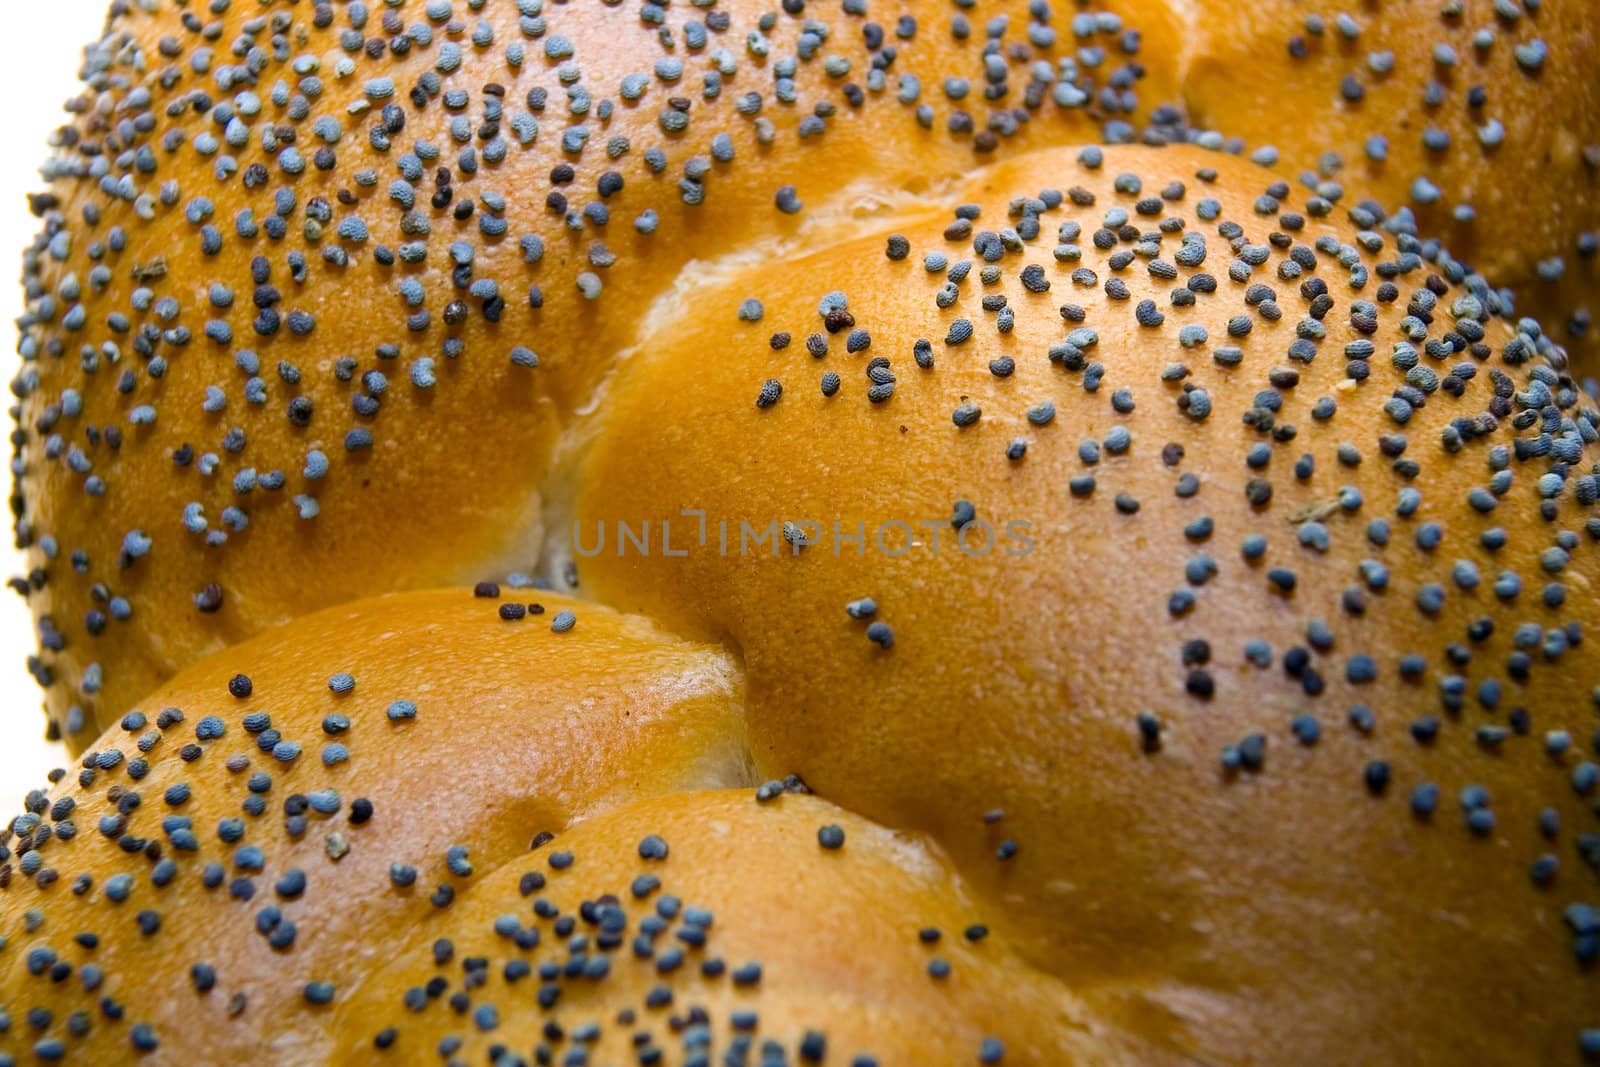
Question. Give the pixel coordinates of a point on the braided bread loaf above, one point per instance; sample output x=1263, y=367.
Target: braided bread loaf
x=740, y=550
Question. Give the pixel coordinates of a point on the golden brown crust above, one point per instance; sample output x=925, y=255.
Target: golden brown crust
x=1492, y=107
x=586, y=197
x=1285, y=914
x=513, y=730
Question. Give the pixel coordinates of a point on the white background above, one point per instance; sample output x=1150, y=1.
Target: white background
x=40, y=49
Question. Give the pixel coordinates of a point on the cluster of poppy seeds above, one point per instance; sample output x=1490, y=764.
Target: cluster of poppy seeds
x=163, y=840
x=244, y=98
x=1504, y=25
x=643, y=925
